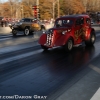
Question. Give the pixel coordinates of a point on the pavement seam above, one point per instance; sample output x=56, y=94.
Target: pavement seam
x=95, y=68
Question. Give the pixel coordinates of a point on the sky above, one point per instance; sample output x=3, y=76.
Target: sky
x=3, y=0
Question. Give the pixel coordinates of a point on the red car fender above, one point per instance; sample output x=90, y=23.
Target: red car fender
x=42, y=39
x=88, y=32
x=66, y=39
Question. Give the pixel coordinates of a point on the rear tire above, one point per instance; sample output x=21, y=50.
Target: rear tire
x=26, y=31
x=91, y=40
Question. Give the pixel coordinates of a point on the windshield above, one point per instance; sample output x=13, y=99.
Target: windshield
x=64, y=23
x=22, y=20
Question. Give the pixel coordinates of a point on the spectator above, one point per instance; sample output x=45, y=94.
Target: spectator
x=6, y=23
x=2, y=23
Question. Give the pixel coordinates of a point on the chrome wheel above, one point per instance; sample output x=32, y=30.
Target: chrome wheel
x=70, y=44
x=14, y=32
x=92, y=38
x=26, y=31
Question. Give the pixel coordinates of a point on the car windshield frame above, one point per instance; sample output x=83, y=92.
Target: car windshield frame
x=25, y=20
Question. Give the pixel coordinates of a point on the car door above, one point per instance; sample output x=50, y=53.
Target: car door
x=26, y=22
x=23, y=24
x=79, y=30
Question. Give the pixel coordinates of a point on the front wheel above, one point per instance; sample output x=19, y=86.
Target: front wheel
x=91, y=40
x=44, y=47
x=14, y=32
x=69, y=45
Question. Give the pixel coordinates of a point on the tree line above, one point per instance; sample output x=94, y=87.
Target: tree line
x=48, y=8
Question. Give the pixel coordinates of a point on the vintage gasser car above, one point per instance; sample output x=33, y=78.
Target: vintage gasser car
x=27, y=25
x=69, y=31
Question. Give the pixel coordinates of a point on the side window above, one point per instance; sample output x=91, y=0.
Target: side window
x=80, y=21
x=22, y=20
x=27, y=20
x=77, y=22
x=88, y=21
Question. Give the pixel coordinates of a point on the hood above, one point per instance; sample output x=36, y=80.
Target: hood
x=59, y=29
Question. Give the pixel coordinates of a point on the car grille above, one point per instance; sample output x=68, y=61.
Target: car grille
x=49, y=39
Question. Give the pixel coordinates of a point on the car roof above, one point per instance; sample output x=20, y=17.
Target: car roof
x=30, y=19
x=27, y=18
x=74, y=16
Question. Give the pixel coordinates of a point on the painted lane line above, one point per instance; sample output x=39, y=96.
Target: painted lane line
x=19, y=56
x=97, y=35
x=17, y=47
x=95, y=68
x=4, y=39
x=4, y=36
x=96, y=96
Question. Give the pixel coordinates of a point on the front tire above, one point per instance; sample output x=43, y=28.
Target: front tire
x=14, y=32
x=91, y=40
x=44, y=47
x=69, y=45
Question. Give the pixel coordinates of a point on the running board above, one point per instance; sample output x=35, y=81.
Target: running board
x=77, y=45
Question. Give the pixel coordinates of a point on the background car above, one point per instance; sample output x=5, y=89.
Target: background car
x=28, y=26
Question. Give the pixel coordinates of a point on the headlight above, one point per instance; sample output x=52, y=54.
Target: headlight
x=64, y=32
x=69, y=30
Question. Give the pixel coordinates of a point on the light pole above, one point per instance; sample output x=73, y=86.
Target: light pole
x=37, y=2
x=58, y=9
x=38, y=12
x=22, y=12
x=53, y=11
x=11, y=9
x=57, y=1
x=1, y=10
x=85, y=6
